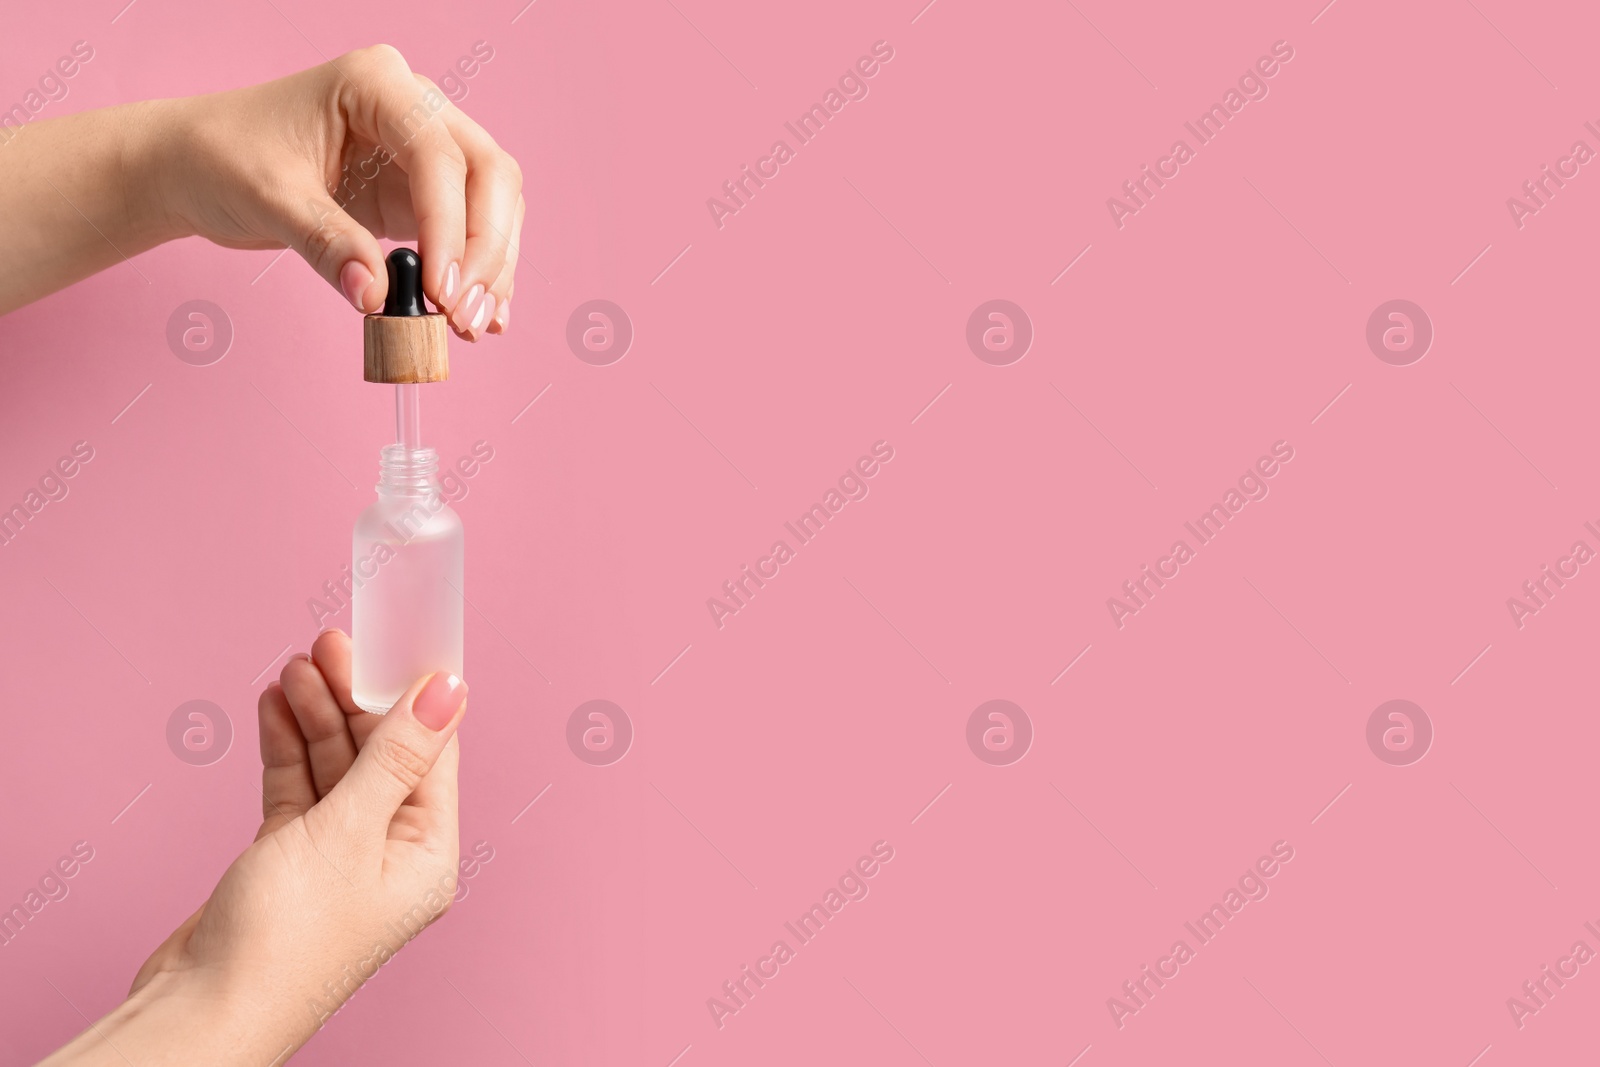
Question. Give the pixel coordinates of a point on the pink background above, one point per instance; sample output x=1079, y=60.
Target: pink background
x=826, y=716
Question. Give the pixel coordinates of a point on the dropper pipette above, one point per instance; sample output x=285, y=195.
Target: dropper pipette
x=408, y=416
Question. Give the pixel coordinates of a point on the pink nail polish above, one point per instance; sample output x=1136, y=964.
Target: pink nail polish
x=503, y=316
x=464, y=311
x=353, y=280
x=452, y=282
x=436, y=705
x=484, y=315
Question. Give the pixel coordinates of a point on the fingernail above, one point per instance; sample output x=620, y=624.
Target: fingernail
x=484, y=315
x=354, y=279
x=503, y=316
x=436, y=705
x=452, y=282
x=467, y=308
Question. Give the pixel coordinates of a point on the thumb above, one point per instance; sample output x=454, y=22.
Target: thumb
x=340, y=249
x=398, y=755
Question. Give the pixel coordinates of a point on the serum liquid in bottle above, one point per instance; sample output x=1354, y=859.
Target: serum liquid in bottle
x=408, y=546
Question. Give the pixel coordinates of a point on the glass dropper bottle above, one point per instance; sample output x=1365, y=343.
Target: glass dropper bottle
x=408, y=545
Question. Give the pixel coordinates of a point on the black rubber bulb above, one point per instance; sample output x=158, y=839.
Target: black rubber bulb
x=405, y=285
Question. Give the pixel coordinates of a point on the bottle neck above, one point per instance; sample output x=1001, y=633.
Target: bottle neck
x=406, y=472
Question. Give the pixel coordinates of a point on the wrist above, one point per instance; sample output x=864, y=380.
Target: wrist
x=155, y=162
x=181, y=1017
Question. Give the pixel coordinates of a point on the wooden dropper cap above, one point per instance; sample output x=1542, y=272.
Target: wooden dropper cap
x=406, y=343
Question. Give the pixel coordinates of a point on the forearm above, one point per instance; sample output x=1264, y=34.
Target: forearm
x=181, y=1019
x=80, y=194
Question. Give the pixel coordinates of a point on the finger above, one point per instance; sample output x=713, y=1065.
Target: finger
x=403, y=748
x=493, y=191
x=386, y=104
x=332, y=654
x=322, y=722
x=434, y=803
x=335, y=245
x=286, y=787
x=507, y=281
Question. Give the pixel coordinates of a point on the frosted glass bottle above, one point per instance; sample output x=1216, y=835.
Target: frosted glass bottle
x=408, y=549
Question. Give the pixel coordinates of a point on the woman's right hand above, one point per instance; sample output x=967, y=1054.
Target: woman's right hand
x=356, y=854
x=253, y=168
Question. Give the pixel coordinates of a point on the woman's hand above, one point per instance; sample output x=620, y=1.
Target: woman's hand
x=356, y=854
x=324, y=162
x=328, y=160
